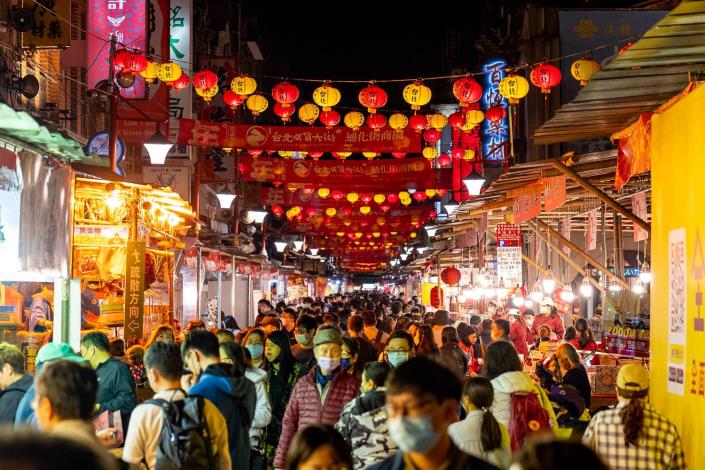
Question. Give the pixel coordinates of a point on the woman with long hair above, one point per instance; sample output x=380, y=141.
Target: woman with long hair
x=426, y=345
x=254, y=342
x=584, y=341
x=480, y=434
x=162, y=333
x=319, y=446
x=450, y=353
x=349, y=359
x=470, y=343
x=486, y=334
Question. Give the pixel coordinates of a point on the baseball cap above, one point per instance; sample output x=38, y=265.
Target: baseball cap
x=56, y=351
x=633, y=377
x=327, y=335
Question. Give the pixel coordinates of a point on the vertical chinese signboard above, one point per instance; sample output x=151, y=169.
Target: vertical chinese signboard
x=180, y=103
x=509, y=260
x=495, y=135
x=639, y=209
x=554, y=192
x=49, y=28
x=134, y=289
x=591, y=235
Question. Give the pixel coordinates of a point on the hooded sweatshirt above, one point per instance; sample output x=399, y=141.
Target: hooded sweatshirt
x=235, y=398
x=263, y=411
x=11, y=396
x=512, y=382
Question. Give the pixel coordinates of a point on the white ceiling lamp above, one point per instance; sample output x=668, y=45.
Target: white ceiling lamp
x=549, y=284
x=451, y=207
x=474, y=183
x=638, y=287
x=645, y=275
x=586, y=288
x=314, y=251
x=567, y=295
x=298, y=244
x=404, y=256
x=476, y=293
x=536, y=294
x=489, y=293
x=614, y=287
x=431, y=231
x=421, y=249
x=518, y=301
x=157, y=147
x=281, y=246
x=225, y=198
x=257, y=216
x=462, y=298
x=411, y=190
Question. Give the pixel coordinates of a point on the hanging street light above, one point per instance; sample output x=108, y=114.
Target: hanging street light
x=431, y=231
x=451, y=207
x=225, y=197
x=298, y=244
x=586, y=288
x=474, y=183
x=281, y=246
x=314, y=251
x=158, y=147
x=645, y=275
x=257, y=216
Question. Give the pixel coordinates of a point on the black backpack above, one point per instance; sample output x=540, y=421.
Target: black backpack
x=185, y=441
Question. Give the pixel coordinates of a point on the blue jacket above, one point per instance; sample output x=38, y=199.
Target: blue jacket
x=235, y=398
x=459, y=460
x=25, y=414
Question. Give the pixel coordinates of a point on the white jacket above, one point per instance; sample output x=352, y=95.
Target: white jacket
x=263, y=409
x=511, y=382
x=467, y=435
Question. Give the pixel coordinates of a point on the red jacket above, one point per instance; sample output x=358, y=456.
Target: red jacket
x=519, y=335
x=305, y=407
x=590, y=346
x=555, y=322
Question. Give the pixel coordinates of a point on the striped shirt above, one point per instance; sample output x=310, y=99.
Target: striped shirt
x=659, y=448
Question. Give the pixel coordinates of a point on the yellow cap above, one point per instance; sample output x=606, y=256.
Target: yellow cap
x=633, y=377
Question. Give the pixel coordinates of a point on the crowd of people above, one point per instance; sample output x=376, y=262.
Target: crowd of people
x=350, y=381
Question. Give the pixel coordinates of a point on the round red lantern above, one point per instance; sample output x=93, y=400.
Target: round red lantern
x=376, y=121
x=545, y=76
x=277, y=210
x=315, y=155
x=366, y=197
x=466, y=90
x=205, y=79
x=451, y=276
x=444, y=160
x=495, y=113
x=180, y=83
x=436, y=296
x=419, y=196
x=255, y=152
x=120, y=58
x=308, y=190
x=432, y=136
x=134, y=62
x=372, y=97
x=442, y=192
x=285, y=93
x=456, y=120
x=284, y=111
x=232, y=99
x=347, y=211
x=398, y=155
x=329, y=118
x=310, y=211
x=418, y=122
x=457, y=153
x=337, y=194
x=385, y=207
x=392, y=198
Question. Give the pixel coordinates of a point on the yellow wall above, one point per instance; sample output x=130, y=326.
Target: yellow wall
x=678, y=201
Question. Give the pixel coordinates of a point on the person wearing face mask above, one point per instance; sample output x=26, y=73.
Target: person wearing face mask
x=319, y=396
x=470, y=345
x=254, y=342
x=422, y=402
x=529, y=317
x=288, y=319
x=303, y=349
x=399, y=349
x=364, y=422
x=264, y=306
x=350, y=359
x=548, y=316
x=518, y=333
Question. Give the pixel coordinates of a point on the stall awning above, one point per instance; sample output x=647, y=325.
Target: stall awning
x=639, y=80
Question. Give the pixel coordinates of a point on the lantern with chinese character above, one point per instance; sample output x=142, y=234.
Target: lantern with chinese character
x=285, y=93
x=398, y=155
x=432, y=136
x=373, y=98
x=398, y=121
x=135, y=62
x=469, y=155
x=376, y=121
x=205, y=80
x=474, y=117
x=437, y=121
x=330, y=118
x=418, y=122
x=326, y=96
x=369, y=155
x=323, y=193
x=456, y=120
x=277, y=210
x=284, y=112
x=243, y=85
x=354, y=120
x=315, y=155
x=417, y=94
x=257, y=104
x=444, y=160
x=496, y=113
x=337, y=195
x=180, y=83
x=232, y=99
x=151, y=73
x=451, y=276
x=583, y=70
x=466, y=90
x=545, y=76
x=420, y=196
x=208, y=93
x=429, y=152
x=513, y=87
x=309, y=113
x=169, y=72
x=392, y=198
x=352, y=197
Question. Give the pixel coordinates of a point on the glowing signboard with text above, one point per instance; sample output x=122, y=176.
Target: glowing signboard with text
x=495, y=135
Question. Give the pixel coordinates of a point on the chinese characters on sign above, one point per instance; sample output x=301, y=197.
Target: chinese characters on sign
x=180, y=103
x=591, y=235
x=495, y=135
x=49, y=29
x=527, y=206
x=553, y=192
x=639, y=210
x=508, y=235
x=509, y=250
x=134, y=289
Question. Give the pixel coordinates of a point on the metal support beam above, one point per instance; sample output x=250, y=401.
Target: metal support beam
x=589, y=187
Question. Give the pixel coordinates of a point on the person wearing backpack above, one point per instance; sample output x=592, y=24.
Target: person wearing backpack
x=375, y=336
x=520, y=405
x=225, y=386
x=193, y=421
x=368, y=352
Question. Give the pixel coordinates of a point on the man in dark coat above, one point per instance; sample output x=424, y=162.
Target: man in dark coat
x=13, y=381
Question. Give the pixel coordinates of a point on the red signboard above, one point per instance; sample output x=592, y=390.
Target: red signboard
x=553, y=192
x=303, y=138
x=527, y=206
x=355, y=175
x=508, y=235
x=625, y=345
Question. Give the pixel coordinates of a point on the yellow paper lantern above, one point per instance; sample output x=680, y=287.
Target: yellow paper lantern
x=358, y=234
x=469, y=154
x=243, y=85
x=364, y=210
x=208, y=94
x=430, y=152
x=340, y=234
x=376, y=234
x=369, y=155
x=474, y=117
x=583, y=70
x=323, y=192
x=405, y=202
x=331, y=211
x=431, y=192
x=514, y=87
x=381, y=221
x=285, y=153
x=309, y=112
x=169, y=72
x=404, y=195
x=417, y=94
x=353, y=197
x=413, y=235
x=326, y=96
x=437, y=121
x=296, y=210
x=343, y=155
x=379, y=198
x=354, y=120
x=256, y=104
x=151, y=73
x=398, y=121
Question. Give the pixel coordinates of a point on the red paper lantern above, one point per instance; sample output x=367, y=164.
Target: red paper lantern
x=347, y=211
x=120, y=58
x=310, y=211
x=376, y=121
x=456, y=120
x=442, y=192
x=134, y=62
x=255, y=152
x=337, y=194
x=398, y=155
x=232, y=99
x=329, y=118
x=180, y=83
x=418, y=122
x=277, y=210
x=495, y=114
x=284, y=111
x=392, y=198
x=205, y=79
x=457, y=153
x=285, y=93
x=432, y=136
x=436, y=296
x=385, y=207
x=420, y=196
x=308, y=190
x=372, y=97
x=451, y=276
x=444, y=160
x=366, y=197
x=545, y=76
x=432, y=214
x=315, y=155
x=466, y=90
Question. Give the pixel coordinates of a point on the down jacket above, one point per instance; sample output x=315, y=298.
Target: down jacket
x=305, y=407
x=512, y=382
